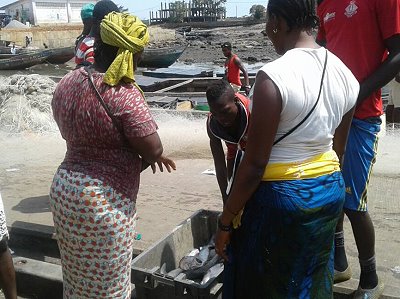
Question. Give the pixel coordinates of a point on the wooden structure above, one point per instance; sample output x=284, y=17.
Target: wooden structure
x=192, y=11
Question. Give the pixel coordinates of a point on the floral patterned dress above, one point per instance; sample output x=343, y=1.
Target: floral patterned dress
x=3, y=225
x=94, y=191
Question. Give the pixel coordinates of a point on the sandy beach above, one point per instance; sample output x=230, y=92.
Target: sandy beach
x=28, y=162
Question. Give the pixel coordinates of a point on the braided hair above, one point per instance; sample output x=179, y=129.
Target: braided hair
x=300, y=14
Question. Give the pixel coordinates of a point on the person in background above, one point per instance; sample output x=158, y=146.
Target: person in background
x=85, y=53
x=7, y=272
x=87, y=20
x=289, y=182
x=362, y=33
x=27, y=41
x=111, y=137
x=13, y=49
x=233, y=67
x=228, y=122
x=393, y=106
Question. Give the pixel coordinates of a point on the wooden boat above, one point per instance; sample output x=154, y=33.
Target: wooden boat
x=60, y=55
x=161, y=57
x=5, y=56
x=23, y=61
x=33, y=57
x=7, y=50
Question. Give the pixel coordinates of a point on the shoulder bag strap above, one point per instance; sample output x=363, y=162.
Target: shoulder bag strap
x=312, y=109
x=101, y=100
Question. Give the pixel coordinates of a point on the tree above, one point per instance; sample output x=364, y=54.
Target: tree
x=258, y=11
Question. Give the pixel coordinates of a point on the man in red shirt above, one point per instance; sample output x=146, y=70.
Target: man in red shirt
x=365, y=35
x=228, y=122
x=233, y=66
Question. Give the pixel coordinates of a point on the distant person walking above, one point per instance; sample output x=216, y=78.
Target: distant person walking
x=365, y=35
x=233, y=67
x=7, y=272
x=13, y=49
x=27, y=41
x=393, y=107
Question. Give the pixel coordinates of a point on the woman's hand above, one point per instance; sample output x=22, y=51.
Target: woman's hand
x=168, y=164
x=222, y=239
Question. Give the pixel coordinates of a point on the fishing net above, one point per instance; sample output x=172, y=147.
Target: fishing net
x=25, y=104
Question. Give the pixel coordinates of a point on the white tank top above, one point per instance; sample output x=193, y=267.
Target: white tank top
x=297, y=74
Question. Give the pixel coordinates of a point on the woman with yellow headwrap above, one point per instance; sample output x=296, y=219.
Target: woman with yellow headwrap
x=111, y=136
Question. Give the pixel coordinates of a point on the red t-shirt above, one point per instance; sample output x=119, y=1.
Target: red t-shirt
x=355, y=31
x=233, y=71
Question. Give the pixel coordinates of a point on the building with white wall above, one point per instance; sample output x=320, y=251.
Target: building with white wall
x=43, y=12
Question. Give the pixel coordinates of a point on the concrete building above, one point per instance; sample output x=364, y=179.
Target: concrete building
x=44, y=12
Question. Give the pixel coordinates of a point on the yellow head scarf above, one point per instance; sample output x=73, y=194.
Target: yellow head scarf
x=130, y=35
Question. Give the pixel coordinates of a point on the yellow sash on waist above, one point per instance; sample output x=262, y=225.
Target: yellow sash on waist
x=314, y=167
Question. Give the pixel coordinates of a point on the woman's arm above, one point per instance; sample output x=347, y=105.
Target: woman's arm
x=148, y=147
x=265, y=117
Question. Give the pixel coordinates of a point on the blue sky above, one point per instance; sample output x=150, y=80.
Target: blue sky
x=142, y=8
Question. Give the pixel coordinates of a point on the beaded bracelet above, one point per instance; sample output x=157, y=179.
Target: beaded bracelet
x=224, y=228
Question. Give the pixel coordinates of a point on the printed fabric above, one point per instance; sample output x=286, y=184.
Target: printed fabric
x=3, y=225
x=284, y=246
x=94, y=145
x=95, y=228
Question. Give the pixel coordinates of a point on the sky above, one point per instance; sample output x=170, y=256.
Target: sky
x=142, y=8
x=241, y=6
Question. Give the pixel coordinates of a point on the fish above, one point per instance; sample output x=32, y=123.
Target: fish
x=195, y=259
x=163, y=269
x=213, y=272
x=174, y=273
x=200, y=272
x=194, y=252
x=203, y=254
x=190, y=263
x=198, y=262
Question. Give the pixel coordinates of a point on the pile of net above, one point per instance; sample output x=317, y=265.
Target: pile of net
x=25, y=104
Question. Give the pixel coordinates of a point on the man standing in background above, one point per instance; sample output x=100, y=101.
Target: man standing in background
x=233, y=66
x=362, y=33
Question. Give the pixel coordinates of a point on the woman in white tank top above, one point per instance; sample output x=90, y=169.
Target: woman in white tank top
x=289, y=189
